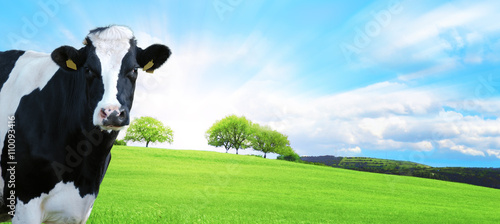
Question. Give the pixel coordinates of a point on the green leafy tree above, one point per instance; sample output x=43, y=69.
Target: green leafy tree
x=148, y=129
x=288, y=151
x=230, y=132
x=266, y=140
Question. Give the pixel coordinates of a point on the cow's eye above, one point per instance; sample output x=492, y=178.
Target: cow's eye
x=90, y=73
x=133, y=71
x=132, y=75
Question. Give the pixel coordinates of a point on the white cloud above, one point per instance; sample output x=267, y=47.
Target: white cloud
x=492, y=152
x=348, y=151
x=467, y=150
x=479, y=104
x=422, y=146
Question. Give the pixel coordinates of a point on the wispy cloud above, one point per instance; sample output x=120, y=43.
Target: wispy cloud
x=440, y=38
x=493, y=152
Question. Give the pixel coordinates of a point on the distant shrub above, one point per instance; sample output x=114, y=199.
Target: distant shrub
x=120, y=142
x=292, y=157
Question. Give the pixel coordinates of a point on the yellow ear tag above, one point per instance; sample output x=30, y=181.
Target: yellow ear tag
x=148, y=65
x=150, y=71
x=71, y=64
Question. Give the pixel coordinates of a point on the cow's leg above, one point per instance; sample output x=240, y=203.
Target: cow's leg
x=29, y=213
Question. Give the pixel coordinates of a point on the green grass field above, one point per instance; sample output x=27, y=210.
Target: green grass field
x=146, y=185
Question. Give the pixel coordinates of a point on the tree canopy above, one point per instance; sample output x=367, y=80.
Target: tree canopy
x=266, y=140
x=230, y=132
x=148, y=129
x=240, y=133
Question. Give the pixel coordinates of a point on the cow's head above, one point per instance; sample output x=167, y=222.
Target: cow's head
x=110, y=61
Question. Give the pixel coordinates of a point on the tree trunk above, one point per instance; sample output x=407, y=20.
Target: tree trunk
x=264, y=155
x=147, y=143
x=236, y=151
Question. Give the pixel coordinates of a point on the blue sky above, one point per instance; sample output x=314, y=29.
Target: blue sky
x=407, y=80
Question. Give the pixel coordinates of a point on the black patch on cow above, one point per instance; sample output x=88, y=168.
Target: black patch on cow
x=99, y=29
x=56, y=140
x=156, y=52
x=8, y=60
x=62, y=54
x=127, y=79
x=105, y=167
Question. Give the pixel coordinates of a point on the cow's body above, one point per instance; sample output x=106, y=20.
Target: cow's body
x=64, y=120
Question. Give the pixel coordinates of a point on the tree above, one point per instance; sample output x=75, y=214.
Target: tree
x=148, y=129
x=266, y=140
x=230, y=132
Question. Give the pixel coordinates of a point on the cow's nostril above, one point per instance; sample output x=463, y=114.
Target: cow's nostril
x=122, y=114
x=103, y=113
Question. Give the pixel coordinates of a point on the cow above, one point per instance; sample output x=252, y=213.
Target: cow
x=59, y=116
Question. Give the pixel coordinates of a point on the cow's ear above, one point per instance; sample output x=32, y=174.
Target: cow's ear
x=68, y=58
x=152, y=57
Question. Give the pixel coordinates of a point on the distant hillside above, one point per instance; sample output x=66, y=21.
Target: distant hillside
x=486, y=177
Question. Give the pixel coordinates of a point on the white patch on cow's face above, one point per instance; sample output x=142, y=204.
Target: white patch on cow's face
x=63, y=204
x=111, y=44
x=32, y=71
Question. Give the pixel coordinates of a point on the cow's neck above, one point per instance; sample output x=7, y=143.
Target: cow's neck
x=89, y=149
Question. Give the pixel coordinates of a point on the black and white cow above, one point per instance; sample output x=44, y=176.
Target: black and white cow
x=59, y=117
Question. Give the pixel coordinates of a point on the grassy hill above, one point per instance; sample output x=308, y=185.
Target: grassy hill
x=146, y=185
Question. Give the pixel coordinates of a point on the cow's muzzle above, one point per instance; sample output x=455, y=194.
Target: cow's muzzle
x=114, y=118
